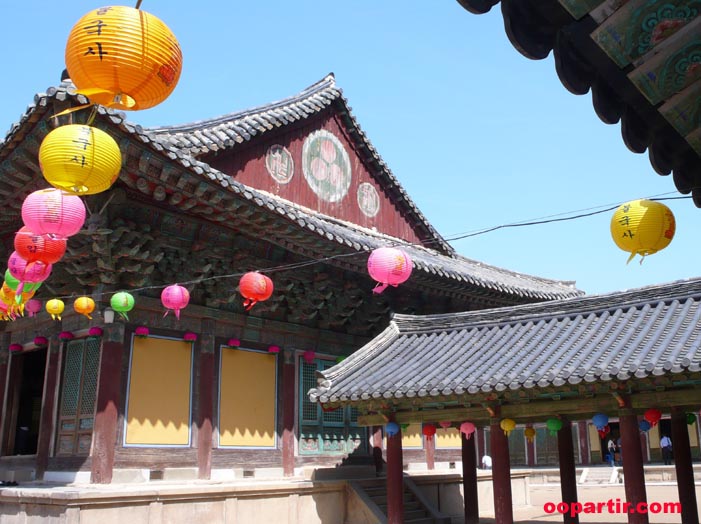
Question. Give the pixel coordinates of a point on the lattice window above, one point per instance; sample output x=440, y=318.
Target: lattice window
x=325, y=432
x=78, y=392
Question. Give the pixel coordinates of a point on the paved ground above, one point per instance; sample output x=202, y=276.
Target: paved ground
x=540, y=495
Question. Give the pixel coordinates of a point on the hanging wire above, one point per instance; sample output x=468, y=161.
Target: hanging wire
x=402, y=243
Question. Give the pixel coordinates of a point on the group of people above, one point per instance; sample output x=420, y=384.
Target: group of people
x=615, y=451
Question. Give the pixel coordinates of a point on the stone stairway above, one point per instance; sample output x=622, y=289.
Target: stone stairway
x=600, y=475
x=417, y=509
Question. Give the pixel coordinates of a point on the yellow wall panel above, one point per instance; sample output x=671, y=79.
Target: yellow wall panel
x=412, y=436
x=693, y=435
x=654, y=437
x=247, y=399
x=594, y=438
x=158, y=408
x=448, y=438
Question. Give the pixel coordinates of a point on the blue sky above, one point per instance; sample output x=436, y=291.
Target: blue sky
x=477, y=134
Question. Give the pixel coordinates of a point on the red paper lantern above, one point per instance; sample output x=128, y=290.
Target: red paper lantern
x=41, y=248
x=653, y=416
x=429, y=430
x=53, y=212
x=604, y=431
x=255, y=287
x=389, y=266
x=175, y=297
x=309, y=356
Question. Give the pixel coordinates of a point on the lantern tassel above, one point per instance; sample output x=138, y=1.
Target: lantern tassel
x=379, y=288
x=249, y=303
x=177, y=313
x=19, y=289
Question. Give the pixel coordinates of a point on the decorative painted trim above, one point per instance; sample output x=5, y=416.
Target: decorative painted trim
x=368, y=199
x=326, y=166
x=279, y=163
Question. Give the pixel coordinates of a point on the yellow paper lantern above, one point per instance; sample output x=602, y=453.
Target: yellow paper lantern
x=54, y=307
x=84, y=306
x=642, y=227
x=123, y=58
x=529, y=433
x=507, y=425
x=79, y=159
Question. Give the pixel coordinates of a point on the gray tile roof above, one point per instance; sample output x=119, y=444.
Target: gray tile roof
x=650, y=331
x=435, y=268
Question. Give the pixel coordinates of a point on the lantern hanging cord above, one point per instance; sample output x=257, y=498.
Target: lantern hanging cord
x=395, y=243
x=138, y=4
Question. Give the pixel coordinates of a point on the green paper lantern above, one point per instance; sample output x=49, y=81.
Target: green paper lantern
x=122, y=303
x=690, y=418
x=554, y=425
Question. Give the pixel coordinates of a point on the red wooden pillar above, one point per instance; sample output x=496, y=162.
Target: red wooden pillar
x=288, y=413
x=469, y=479
x=205, y=407
x=568, y=473
x=683, y=467
x=48, y=406
x=430, y=451
x=584, y=442
x=501, y=473
x=633, y=473
x=395, y=479
x=530, y=449
x=107, y=404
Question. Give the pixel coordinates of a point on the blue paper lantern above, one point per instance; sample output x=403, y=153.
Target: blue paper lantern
x=600, y=420
x=644, y=426
x=392, y=428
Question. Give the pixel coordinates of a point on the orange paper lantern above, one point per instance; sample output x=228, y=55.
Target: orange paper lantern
x=84, y=306
x=81, y=160
x=255, y=287
x=123, y=58
x=41, y=248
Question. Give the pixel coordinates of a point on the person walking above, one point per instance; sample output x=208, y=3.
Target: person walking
x=666, y=445
x=611, y=452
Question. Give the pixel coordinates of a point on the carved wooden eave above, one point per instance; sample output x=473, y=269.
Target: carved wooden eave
x=652, y=89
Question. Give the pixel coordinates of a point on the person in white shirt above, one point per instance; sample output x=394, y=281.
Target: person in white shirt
x=486, y=462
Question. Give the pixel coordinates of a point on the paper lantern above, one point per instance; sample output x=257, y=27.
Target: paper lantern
x=233, y=342
x=13, y=283
x=189, y=336
x=273, y=349
x=95, y=332
x=84, y=306
x=123, y=58
x=445, y=424
x=642, y=227
x=33, y=307
x=25, y=271
x=80, y=159
x=43, y=248
x=644, y=426
x=309, y=356
x=122, y=302
x=141, y=332
x=175, y=297
x=389, y=266
x=468, y=428
x=604, y=431
x=53, y=212
x=392, y=428
x=653, y=416
x=690, y=418
x=507, y=425
x=600, y=420
x=554, y=425
x=15, y=347
x=41, y=341
x=55, y=307
x=529, y=433
x=255, y=287
x=428, y=431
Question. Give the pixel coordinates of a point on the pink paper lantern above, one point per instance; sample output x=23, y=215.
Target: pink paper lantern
x=389, y=266
x=309, y=356
x=33, y=307
x=233, y=343
x=141, y=332
x=468, y=428
x=53, y=212
x=15, y=347
x=273, y=349
x=190, y=336
x=27, y=271
x=175, y=297
x=41, y=341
